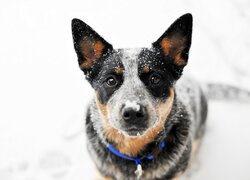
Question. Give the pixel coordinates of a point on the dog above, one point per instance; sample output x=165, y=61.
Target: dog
x=145, y=120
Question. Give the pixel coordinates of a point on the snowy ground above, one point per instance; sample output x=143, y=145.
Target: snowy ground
x=43, y=94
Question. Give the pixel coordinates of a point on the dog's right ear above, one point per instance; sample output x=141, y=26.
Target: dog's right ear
x=90, y=47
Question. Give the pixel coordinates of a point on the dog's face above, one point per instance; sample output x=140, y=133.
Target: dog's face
x=134, y=87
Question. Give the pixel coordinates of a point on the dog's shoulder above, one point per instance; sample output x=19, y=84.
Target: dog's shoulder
x=188, y=90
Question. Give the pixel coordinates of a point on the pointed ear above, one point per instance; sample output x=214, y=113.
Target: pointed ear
x=89, y=46
x=175, y=42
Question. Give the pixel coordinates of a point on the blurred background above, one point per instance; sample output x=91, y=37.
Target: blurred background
x=43, y=94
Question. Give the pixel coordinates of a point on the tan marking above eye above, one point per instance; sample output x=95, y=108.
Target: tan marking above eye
x=146, y=69
x=119, y=70
x=91, y=50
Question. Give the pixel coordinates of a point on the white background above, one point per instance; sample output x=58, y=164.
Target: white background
x=43, y=94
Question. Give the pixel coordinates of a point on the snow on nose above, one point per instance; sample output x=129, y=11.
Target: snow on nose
x=133, y=105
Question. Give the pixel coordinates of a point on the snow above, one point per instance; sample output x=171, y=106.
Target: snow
x=43, y=94
x=133, y=105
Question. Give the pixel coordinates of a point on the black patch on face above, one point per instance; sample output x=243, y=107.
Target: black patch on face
x=158, y=66
x=102, y=72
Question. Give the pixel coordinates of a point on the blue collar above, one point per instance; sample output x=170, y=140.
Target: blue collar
x=136, y=160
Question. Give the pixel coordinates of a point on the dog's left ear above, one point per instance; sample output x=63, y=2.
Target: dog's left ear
x=90, y=47
x=175, y=42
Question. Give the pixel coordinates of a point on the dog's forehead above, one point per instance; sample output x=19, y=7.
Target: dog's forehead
x=132, y=59
x=124, y=59
x=129, y=57
x=132, y=88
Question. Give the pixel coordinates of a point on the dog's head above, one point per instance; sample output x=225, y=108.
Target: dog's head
x=134, y=87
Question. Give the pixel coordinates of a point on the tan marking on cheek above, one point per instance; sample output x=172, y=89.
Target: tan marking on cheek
x=103, y=109
x=110, y=132
x=163, y=109
x=119, y=70
x=91, y=50
x=146, y=69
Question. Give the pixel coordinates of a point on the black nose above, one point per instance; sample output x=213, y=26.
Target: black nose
x=132, y=115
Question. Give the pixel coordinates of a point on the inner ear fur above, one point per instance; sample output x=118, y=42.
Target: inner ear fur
x=89, y=45
x=91, y=50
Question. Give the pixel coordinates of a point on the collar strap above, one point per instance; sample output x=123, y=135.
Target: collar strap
x=136, y=160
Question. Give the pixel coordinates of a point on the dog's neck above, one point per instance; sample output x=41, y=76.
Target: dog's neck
x=138, y=160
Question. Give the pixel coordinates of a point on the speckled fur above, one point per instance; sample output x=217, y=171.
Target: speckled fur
x=183, y=122
x=187, y=118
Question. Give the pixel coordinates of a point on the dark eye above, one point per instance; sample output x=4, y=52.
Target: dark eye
x=155, y=79
x=111, y=81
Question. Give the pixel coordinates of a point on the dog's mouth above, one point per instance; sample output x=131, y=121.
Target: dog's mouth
x=134, y=131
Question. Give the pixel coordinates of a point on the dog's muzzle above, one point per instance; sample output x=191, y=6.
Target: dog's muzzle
x=134, y=119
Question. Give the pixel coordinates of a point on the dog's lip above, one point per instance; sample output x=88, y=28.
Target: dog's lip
x=134, y=128
x=135, y=131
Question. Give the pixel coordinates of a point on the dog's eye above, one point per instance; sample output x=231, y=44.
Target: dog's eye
x=111, y=81
x=155, y=79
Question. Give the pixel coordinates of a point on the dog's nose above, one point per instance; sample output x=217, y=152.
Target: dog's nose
x=132, y=115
